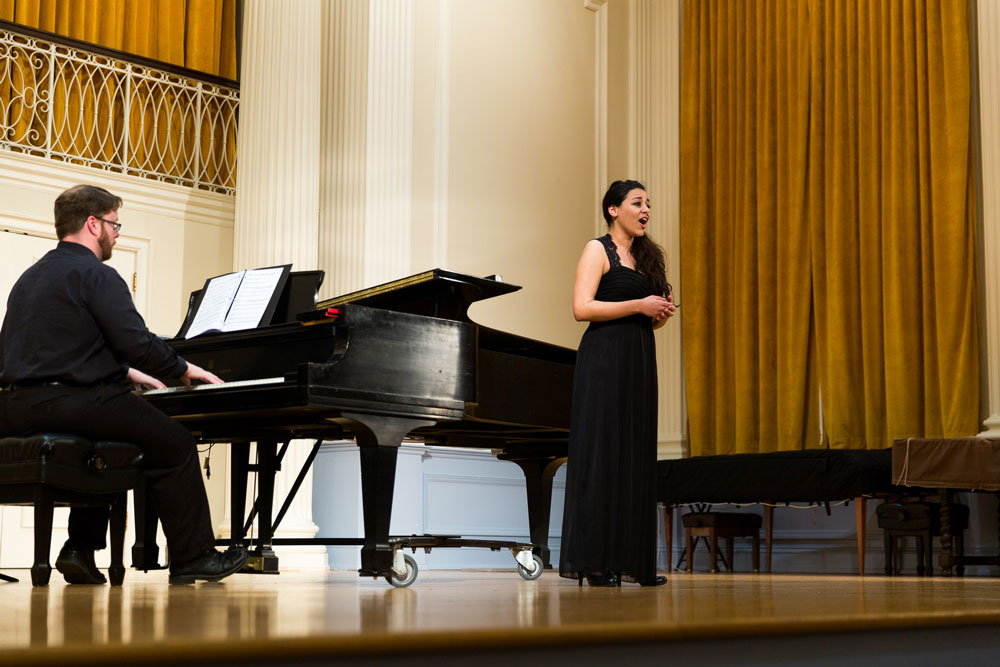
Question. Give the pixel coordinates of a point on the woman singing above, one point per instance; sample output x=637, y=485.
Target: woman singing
x=609, y=521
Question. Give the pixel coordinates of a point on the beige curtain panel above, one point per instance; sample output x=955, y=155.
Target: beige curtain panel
x=828, y=228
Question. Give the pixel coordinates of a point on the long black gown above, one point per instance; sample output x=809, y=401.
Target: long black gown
x=609, y=517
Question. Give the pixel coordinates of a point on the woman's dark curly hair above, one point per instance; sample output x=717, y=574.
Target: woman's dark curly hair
x=647, y=254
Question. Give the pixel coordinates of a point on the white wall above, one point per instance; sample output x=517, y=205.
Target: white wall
x=522, y=179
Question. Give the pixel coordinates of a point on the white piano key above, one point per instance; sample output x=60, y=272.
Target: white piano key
x=216, y=387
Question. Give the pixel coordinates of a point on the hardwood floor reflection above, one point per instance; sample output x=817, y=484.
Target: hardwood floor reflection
x=255, y=612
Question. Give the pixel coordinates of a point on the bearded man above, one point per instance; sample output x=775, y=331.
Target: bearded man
x=71, y=348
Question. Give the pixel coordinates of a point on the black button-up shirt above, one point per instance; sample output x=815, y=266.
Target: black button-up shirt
x=70, y=319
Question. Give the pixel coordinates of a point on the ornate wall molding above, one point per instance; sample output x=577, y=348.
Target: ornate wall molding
x=72, y=105
x=177, y=201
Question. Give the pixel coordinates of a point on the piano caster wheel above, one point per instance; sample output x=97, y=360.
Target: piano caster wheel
x=534, y=573
x=411, y=573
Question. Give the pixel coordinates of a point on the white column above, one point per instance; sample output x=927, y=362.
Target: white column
x=989, y=117
x=277, y=199
x=442, y=126
x=654, y=97
x=367, y=143
x=277, y=186
x=344, y=146
x=389, y=163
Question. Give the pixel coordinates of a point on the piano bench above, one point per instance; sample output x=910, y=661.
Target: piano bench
x=57, y=470
x=727, y=525
x=921, y=520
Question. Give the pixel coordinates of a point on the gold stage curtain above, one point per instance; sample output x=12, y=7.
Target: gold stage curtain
x=198, y=34
x=748, y=333
x=828, y=235
x=893, y=219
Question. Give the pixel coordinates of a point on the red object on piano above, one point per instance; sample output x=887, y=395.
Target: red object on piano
x=318, y=316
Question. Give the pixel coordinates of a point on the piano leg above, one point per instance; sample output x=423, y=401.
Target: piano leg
x=239, y=461
x=263, y=559
x=538, y=474
x=378, y=476
x=947, y=556
x=145, y=552
x=379, y=438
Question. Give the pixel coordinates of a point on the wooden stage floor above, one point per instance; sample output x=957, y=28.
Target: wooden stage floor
x=336, y=617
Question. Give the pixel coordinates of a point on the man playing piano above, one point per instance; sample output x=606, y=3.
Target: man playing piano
x=71, y=346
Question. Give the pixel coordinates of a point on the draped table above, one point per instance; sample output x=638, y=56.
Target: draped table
x=948, y=464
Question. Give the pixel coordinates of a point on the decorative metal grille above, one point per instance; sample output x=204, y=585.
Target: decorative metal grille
x=68, y=104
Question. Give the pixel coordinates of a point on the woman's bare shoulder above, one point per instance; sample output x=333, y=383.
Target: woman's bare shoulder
x=593, y=255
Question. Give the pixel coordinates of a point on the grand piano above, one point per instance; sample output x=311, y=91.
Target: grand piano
x=398, y=361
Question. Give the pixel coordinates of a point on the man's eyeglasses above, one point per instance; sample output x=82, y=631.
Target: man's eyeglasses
x=116, y=226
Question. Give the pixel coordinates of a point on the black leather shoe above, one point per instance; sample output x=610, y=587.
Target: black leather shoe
x=77, y=566
x=211, y=565
x=602, y=580
x=658, y=580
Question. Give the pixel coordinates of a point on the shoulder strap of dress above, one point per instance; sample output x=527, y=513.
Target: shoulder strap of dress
x=611, y=249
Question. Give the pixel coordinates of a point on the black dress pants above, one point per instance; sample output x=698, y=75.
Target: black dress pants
x=110, y=411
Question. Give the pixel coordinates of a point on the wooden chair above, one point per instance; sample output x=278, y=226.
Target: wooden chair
x=921, y=520
x=727, y=525
x=56, y=470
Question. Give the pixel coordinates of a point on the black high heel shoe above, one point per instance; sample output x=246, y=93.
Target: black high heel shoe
x=603, y=580
x=658, y=580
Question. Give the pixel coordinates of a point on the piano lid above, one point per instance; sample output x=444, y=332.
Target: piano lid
x=435, y=293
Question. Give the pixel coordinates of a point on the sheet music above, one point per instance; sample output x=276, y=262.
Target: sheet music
x=215, y=303
x=252, y=298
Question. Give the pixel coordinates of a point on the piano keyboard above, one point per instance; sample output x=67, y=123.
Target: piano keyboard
x=215, y=387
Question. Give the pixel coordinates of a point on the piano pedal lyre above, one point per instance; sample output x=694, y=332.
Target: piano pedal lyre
x=261, y=564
